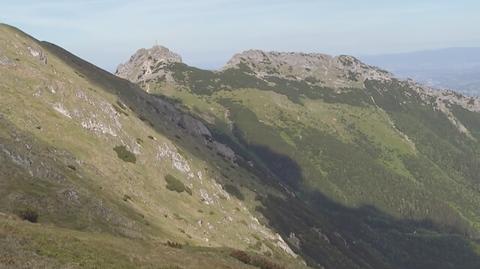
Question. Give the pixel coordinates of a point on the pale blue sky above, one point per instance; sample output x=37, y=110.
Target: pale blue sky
x=208, y=32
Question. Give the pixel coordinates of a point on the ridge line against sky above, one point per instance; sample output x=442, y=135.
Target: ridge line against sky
x=207, y=33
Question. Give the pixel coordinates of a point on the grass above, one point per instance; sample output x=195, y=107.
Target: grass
x=58, y=247
x=378, y=144
x=92, y=196
x=367, y=137
x=365, y=195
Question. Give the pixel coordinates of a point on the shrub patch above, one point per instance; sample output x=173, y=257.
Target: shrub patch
x=28, y=214
x=233, y=190
x=175, y=184
x=124, y=154
x=257, y=261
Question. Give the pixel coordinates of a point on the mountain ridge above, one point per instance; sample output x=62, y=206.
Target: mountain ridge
x=313, y=67
x=273, y=63
x=188, y=168
x=322, y=138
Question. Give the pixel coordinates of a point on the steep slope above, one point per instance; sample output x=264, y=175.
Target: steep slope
x=113, y=177
x=381, y=173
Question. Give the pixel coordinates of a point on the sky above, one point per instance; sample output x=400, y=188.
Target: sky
x=206, y=33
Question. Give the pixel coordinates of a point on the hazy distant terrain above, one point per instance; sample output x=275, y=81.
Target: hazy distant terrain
x=454, y=68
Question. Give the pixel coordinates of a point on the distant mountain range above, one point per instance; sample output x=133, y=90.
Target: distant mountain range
x=453, y=68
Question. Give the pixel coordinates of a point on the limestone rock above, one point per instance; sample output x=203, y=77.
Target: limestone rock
x=38, y=54
x=225, y=151
x=147, y=64
x=194, y=126
x=314, y=68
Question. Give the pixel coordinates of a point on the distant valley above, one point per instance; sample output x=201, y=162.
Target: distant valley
x=453, y=68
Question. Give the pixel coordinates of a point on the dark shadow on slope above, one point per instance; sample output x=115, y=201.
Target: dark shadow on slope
x=333, y=236
x=329, y=234
x=336, y=236
x=283, y=167
x=326, y=233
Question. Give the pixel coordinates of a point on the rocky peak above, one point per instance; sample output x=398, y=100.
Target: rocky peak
x=315, y=68
x=259, y=58
x=147, y=64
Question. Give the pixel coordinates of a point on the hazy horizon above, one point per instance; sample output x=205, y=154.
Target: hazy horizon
x=207, y=34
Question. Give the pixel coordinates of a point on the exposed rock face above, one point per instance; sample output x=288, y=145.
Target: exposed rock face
x=225, y=151
x=446, y=96
x=314, y=68
x=443, y=101
x=147, y=64
x=194, y=126
x=38, y=54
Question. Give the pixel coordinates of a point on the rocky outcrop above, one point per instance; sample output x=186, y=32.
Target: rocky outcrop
x=38, y=54
x=443, y=100
x=224, y=151
x=147, y=64
x=445, y=96
x=193, y=126
x=314, y=68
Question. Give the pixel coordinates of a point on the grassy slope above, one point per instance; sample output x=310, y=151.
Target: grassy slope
x=26, y=245
x=349, y=148
x=378, y=156
x=60, y=123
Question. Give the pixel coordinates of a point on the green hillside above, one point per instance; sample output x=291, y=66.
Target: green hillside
x=382, y=173
x=88, y=158
x=277, y=161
